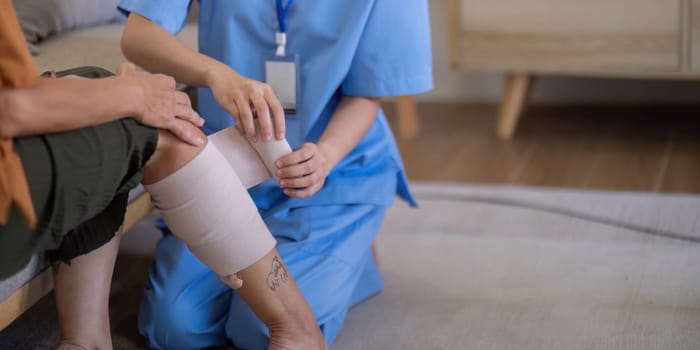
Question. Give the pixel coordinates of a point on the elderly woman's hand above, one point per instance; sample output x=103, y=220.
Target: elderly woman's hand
x=161, y=105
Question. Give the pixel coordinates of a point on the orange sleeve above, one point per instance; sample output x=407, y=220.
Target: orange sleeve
x=18, y=70
x=17, y=67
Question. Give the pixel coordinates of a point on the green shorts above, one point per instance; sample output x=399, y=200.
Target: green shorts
x=79, y=183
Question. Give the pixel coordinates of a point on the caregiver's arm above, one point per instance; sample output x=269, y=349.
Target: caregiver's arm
x=56, y=105
x=155, y=49
x=303, y=172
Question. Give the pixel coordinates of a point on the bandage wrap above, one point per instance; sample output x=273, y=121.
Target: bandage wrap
x=253, y=162
x=206, y=205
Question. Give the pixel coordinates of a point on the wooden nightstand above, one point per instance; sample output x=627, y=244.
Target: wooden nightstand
x=650, y=39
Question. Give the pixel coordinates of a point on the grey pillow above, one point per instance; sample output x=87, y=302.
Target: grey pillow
x=41, y=19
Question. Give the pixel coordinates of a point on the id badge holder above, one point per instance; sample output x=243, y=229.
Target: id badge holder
x=282, y=74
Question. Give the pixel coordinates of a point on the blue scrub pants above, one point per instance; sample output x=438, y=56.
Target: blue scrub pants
x=327, y=250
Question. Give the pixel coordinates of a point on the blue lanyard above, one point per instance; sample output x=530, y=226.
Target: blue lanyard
x=282, y=11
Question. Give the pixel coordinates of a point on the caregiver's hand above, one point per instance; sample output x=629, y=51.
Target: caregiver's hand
x=303, y=172
x=246, y=100
x=161, y=105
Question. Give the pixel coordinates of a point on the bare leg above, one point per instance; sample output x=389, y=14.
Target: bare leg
x=82, y=298
x=267, y=286
x=271, y=293
x=82, y=289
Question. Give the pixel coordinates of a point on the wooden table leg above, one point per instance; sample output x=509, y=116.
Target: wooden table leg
x=409, y=125
x=512, y=103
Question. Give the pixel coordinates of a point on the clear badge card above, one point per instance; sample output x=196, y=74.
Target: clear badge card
x=282, y=74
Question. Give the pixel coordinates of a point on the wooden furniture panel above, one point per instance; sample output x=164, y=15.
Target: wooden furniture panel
x=648, y=39
x=409, y=126
x=25, y=297
x=552, y=36
x=695, y=36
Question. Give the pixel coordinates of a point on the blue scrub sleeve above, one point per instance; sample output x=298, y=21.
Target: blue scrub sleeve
x=169, y=14
x=394, y=54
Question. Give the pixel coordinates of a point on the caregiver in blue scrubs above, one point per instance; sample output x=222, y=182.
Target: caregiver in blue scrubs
x=326, y=63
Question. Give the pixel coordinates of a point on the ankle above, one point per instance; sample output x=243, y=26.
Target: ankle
x=296, y=336
x=292, y=323
x=67, y=345
x=83, y=344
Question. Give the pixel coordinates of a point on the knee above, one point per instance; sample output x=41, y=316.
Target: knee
x=172, y=146
x=170, y=155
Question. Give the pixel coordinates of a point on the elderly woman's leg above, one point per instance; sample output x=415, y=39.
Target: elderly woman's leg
x=205, y=205
x=239, y=251
x=82, y=298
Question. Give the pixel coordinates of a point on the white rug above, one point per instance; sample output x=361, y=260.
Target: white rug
x=474, y=269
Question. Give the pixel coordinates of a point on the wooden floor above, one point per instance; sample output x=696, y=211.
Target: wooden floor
x=612, y=148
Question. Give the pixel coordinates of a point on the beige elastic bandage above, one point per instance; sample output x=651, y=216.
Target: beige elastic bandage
x=207, y=206
x=254, y=163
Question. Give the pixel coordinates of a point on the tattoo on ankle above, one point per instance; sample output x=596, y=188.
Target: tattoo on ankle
x=278, y=274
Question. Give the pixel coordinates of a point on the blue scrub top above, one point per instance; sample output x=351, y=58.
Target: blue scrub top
x=370, y=48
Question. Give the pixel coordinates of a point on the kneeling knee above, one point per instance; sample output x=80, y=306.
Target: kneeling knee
x=176, y=326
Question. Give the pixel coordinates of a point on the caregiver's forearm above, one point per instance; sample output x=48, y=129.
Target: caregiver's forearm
x=155, y=49
x=350, y=123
